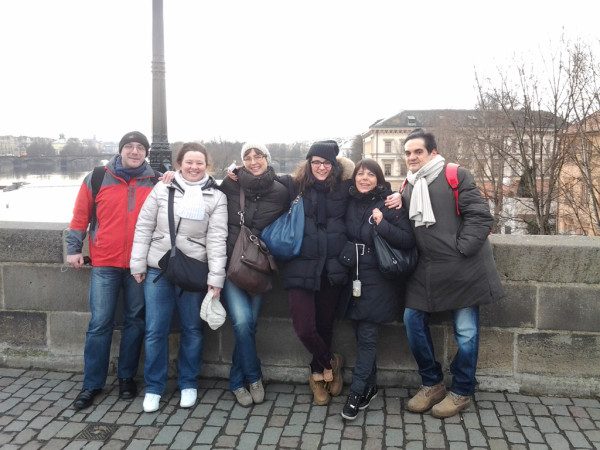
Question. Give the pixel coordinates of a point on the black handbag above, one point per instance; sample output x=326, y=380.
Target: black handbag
x=187, y=273
x=251, y=265
x=394, y=262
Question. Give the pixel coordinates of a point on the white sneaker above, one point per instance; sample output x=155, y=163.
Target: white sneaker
x=188, y=398
x=151, y=402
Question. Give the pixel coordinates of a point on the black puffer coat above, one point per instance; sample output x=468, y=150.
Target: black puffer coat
x=456, y=268
x=321, y=246
x=381, y=299
x=265, y=200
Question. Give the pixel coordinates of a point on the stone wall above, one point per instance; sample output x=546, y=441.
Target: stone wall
x=544, y=338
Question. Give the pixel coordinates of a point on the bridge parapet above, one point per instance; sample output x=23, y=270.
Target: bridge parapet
x=543, y=339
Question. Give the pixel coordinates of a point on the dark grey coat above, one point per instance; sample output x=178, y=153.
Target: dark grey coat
x=456, y=268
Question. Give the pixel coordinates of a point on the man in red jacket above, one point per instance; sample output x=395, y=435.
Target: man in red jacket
x=126, y=183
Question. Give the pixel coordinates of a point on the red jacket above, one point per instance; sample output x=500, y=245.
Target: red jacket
x=118, y=204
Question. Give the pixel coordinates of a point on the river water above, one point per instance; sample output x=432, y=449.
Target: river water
x=47, y=197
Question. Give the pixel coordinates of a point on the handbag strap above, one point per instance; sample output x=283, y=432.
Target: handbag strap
x=171, y=214
x=242, y=205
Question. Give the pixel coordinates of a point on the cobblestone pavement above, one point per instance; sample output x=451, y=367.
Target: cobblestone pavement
x=36, y=412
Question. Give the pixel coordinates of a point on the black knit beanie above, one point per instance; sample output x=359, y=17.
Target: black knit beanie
x=134, y=136
x=325, y=149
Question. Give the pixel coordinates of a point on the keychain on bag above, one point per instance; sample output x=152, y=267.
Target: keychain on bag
x=356, y=284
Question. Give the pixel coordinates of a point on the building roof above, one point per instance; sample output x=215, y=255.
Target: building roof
x=435, y=118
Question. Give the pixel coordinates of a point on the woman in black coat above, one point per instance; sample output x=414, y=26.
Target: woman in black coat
x=380, y=299
x=315, y=278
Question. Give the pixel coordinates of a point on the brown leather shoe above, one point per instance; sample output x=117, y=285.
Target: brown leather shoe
x=320, y=394
x=451, y=405
x=335, y=386
x=426, y=398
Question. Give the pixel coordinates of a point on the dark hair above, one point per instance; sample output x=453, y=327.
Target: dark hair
x=190, y=147
x=373, y=166
x=304, y=178
x=428, y=138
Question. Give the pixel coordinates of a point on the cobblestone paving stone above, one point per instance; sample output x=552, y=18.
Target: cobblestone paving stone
x=36, y=413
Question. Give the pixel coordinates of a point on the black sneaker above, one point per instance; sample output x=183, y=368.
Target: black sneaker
x=350, y=410
x=365, y=400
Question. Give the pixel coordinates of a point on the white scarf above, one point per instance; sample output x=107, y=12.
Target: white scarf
x=420, y=203
x=191, y=205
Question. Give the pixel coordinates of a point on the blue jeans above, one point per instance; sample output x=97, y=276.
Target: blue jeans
x=161, y=300
x=105, y=286
x=464, y=364
x=243, y=309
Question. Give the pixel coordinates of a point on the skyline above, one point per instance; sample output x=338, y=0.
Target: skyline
x=268, y=71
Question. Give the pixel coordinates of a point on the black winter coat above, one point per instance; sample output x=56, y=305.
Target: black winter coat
x=321, y=246
x=382, y=299
x=265, y=200
x=456, y=268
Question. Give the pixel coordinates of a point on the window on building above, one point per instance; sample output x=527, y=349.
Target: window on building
x=388, y=146
x=412, y=121
x=387, y=170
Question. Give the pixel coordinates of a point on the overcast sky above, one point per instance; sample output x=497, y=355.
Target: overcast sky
x=273, y=71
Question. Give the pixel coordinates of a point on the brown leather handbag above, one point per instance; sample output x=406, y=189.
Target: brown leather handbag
x=251, y=265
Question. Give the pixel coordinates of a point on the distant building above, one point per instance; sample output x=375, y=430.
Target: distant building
x=459, y=135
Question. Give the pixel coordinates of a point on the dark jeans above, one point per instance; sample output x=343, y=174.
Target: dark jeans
x=365, y=368
x=313, y=314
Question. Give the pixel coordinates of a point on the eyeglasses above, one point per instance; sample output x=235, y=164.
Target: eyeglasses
x=316, y=164
x=130, y=147
x=257, y=158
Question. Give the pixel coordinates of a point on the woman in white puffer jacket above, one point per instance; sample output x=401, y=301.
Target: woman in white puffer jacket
x=200, y=211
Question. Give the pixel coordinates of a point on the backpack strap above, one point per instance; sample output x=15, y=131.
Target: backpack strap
x=403, y=184
x=97, y=178
x=452, y=178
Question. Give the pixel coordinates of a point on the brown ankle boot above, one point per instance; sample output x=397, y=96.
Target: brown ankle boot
x=321, y=396
x=336, y=385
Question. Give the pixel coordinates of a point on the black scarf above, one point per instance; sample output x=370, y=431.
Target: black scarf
x=321, y=189
x=256, y=185
x=377, y=193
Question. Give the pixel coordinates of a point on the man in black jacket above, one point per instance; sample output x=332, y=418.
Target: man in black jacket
x=456, y=273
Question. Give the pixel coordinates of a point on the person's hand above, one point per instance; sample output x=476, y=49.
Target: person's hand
x=139, y=277
x=394, y=201
x=216, y=291
x=232, y=175
x=167, y=177
x=75, y=261
x=377, y=215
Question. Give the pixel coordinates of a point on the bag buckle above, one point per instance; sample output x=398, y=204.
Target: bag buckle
x=360, y=248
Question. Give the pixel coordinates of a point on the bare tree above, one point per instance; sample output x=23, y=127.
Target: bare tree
x=532, y=113
x=581, y=178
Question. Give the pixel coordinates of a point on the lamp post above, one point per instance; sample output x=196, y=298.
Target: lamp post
x=160, y=153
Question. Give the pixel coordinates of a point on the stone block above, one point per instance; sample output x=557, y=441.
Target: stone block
x=23, y=329
x=45, y=287
x=496, y=351
x=31, y=242
x=393, y=351
x=278, y=345
x=516, y=310
x=552, y=259
x=559, y=354
x=573, y=308
x=66, y=332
